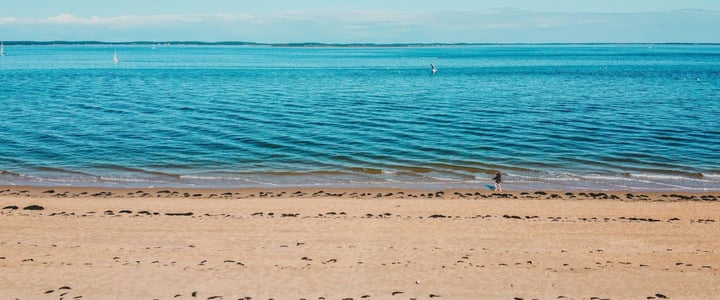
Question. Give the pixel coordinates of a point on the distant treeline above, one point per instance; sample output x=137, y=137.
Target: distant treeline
x=310, y=44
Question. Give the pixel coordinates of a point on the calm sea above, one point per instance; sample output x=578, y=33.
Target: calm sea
x=611, y=117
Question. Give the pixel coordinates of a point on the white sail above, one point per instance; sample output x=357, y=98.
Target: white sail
x=2, y=49
x=115, y=58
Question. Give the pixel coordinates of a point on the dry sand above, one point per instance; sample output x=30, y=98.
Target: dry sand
x=83, y=243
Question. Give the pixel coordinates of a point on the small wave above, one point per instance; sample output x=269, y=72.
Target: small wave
x=671, y=176
x=368, y=171
x=65, y=171
x=130, y=179
x=245, y=175
x=301, y=173
x=220, y=177
x=712, y=176
x=462, y=168
x=4, y=172
x=124, y=169
x=544, y=178
x=415, y=169
x=664, y=174
x=406, y=174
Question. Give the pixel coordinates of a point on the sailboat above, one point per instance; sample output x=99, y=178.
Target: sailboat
x=115, y=58
x=434, y=68
x=2, y=49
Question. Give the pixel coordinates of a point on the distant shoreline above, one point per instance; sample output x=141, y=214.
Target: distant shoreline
x=314, y=44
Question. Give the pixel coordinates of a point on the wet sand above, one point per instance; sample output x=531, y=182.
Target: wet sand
x=93, y=243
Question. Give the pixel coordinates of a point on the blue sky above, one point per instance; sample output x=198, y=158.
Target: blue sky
x=368, y=21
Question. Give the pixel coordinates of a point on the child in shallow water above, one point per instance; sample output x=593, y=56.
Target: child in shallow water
x=498, y=182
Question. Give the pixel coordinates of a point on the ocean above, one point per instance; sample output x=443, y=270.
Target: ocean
x=565, y=117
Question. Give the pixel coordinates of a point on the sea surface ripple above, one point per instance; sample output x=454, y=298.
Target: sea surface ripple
x=612, y=117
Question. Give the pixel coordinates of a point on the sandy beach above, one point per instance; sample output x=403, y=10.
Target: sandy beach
x=94, y=243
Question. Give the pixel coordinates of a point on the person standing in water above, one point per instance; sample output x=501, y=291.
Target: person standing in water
x=498, y=182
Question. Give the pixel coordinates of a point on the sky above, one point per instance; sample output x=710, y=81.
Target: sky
x=367, y=21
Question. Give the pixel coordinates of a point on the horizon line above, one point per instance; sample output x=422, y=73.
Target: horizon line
x=321, y=44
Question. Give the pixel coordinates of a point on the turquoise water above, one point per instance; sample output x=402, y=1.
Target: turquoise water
x=613, y=117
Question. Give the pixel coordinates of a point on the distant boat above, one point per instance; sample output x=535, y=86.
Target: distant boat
x=434, y=69
x=2, y=49
x=115, y=58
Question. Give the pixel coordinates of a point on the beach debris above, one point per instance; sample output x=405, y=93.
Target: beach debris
x=709, y=198
x=179, y=214
x=34, y=207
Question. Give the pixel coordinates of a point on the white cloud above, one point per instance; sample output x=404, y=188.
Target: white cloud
x=499, y=25
x=132, y=21
x=7, y=20
x=127, y=20
x=235, y=17
x=67, y=19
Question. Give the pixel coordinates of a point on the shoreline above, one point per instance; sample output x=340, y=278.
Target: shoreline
x=374, y=178
x=370, y=179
